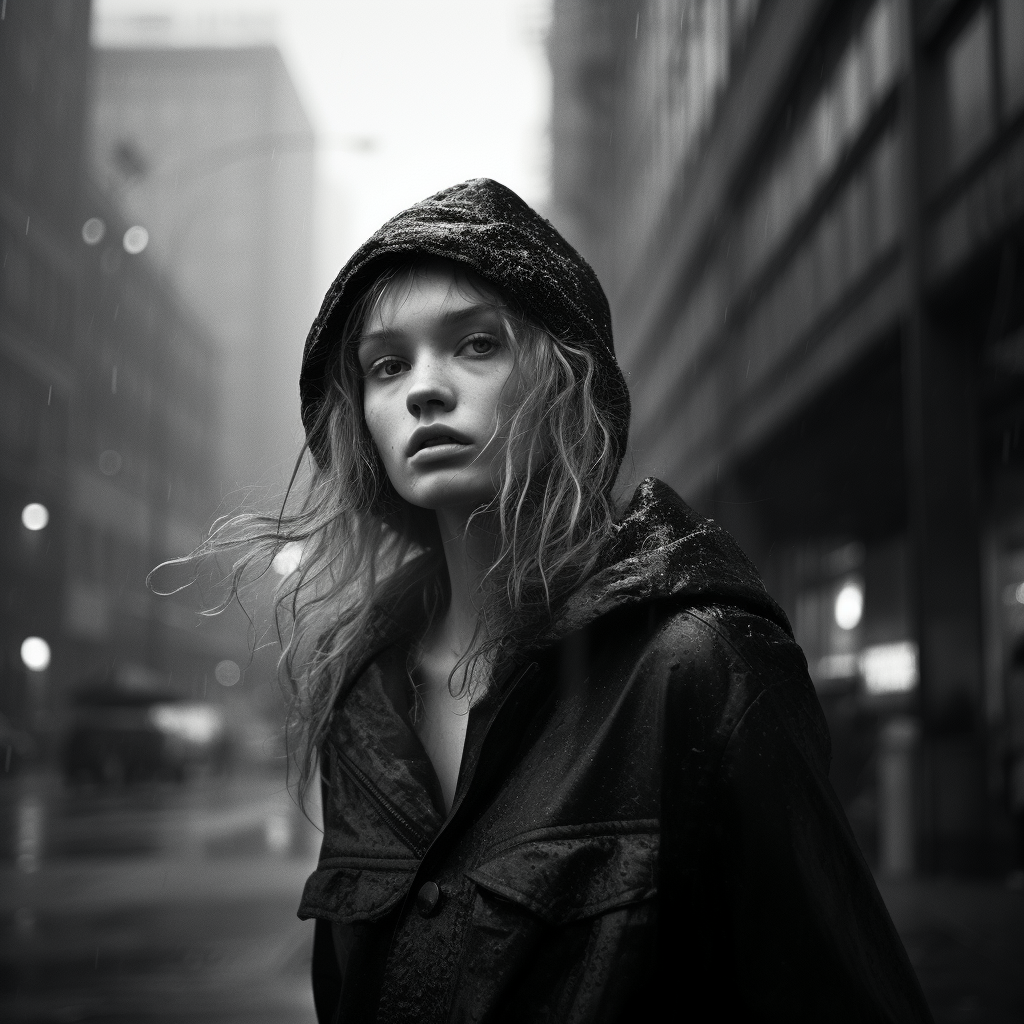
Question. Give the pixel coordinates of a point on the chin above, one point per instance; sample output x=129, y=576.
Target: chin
x=448, y=493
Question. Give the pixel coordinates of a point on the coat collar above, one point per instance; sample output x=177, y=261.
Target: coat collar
x=661, y=549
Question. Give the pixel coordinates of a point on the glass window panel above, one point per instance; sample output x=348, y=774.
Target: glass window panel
x=881, y=46
x=885, y=191
x=1011, y=53
x=859, y=224
x=824, y=135
x=852, y=101
x=969, y=88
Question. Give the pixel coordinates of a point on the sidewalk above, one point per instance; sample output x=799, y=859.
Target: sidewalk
x=155, y=941
x=215, y=939
x=966, y=941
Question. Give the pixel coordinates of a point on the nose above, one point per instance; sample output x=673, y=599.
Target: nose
x=429, y=391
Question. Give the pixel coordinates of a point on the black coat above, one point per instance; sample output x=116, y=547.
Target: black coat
x=643, y=822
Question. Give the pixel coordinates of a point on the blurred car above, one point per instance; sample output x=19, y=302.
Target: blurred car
x=123, y=735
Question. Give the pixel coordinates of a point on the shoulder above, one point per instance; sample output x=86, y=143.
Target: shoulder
x=711, y=664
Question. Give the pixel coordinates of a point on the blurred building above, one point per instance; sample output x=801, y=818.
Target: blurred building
x=108, y=402
x=210, y=149
x=43, y=62
x=808, y=216
x=144, y=473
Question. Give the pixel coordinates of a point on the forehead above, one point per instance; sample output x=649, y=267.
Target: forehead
x=438, y=286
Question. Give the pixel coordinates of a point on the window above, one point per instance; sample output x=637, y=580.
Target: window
x=1011, y=53
x=860, y=81
x=969, y=88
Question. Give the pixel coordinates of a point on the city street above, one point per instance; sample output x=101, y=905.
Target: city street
x=163, y=906
x=174, y=905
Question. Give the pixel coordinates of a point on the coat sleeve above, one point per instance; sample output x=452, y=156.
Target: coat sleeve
x=768, y=908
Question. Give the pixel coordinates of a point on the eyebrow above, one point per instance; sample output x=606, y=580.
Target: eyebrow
x=451, y=318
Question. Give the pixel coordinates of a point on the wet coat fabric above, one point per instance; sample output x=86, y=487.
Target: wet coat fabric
x=643, y=827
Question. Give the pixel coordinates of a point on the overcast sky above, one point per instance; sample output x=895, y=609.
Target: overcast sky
x=406, y=96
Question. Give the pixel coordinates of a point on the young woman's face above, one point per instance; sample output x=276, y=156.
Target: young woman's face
x=435, y=375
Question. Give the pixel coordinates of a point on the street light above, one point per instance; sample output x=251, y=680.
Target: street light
x=93, y=231
x=849, y=606
x=35, y=653
x=35, y=516
x=136, y=238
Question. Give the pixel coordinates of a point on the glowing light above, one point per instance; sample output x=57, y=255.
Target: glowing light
x=93, y=231
x=889, y=668
x=136, y=238
x=35, y=653
x=35, y=516
x=227, y=673
x=1019, y=593
x=194, y=723
x=287, y=560
x=849, y=606
x=110, y=463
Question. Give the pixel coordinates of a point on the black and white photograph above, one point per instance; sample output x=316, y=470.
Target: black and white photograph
x=511, y=511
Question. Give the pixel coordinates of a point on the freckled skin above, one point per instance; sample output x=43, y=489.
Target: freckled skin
x=435, y=368
x=424, y=368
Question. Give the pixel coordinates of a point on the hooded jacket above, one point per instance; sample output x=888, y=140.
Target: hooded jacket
x=643, y=822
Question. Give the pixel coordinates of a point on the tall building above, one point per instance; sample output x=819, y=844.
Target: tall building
x=808, y=214
x=108, y=403
x=144, y=473
x=44, y=52
x=210, y=150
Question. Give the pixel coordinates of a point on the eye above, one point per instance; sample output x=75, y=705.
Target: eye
x=388, y=366
x=480, y=345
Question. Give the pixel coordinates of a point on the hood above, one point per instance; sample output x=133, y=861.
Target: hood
x=663, y=550
x=488, y=228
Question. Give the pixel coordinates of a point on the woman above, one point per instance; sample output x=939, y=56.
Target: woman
x=572, y=765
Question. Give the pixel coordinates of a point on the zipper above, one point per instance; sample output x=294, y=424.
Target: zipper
x=403, y=828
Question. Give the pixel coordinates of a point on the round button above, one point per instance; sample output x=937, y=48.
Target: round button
x=428, y=898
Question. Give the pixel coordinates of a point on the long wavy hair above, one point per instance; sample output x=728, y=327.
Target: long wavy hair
x=366, y=551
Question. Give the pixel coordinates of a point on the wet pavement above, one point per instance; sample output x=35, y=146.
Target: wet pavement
x=966, y=940
x=178, y=904
x=158, y=905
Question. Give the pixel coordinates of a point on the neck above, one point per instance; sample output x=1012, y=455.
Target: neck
x=469, y=550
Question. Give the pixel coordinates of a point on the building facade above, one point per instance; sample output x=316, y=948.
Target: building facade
x=808, y=217
x=210, y=149
x=108, y=403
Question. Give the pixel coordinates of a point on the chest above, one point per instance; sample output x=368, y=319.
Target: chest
x=441, y=724
x=549, y=856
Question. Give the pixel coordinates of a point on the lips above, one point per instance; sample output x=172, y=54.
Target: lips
x=435, y=437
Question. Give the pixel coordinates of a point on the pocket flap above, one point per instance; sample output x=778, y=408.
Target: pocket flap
x=351, y=889
x=561, y=875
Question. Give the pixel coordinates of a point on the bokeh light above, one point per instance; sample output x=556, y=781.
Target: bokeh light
x=889, y=668
x=288, y=559
x=136, y=238
x=849, y=606
x=35, y=653
x=93, y=231
x=35, y=516
x=227, y=672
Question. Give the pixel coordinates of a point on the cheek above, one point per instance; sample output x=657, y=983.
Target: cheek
x=380, y=424
x=497, y=397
